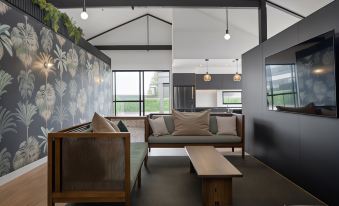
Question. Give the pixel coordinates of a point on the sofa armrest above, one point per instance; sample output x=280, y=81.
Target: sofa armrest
x=240, y=125
x=147, y=128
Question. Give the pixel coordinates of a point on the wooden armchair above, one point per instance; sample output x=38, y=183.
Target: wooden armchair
x=88, y=167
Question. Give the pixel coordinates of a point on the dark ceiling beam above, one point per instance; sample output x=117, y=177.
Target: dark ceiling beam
x=262, y=13
x=134, y=47
x=286, y=10
x=156, y=3
x=127, y=22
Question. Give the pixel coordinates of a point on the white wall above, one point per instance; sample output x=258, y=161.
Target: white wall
x=198, y=33
x=140, y=60
x=198, y=66
x=206, y=98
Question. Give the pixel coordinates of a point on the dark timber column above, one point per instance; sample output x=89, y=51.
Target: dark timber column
x=262, y=10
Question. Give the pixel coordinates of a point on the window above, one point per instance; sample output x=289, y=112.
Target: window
x=138, y=93
x=281, y=86
x=232, y=99
x=156, y=90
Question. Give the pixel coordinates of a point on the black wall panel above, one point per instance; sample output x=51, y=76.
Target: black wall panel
x=183, y=79
x=303, y=148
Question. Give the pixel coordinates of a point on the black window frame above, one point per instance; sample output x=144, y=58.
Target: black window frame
x=232, y=91
x=141, y=100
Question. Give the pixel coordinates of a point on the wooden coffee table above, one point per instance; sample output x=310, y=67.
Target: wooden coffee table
x=216, y=173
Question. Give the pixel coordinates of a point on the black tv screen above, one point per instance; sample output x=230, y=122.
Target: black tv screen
x=302, y=79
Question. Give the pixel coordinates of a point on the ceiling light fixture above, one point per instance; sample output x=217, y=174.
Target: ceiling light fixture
x=84, y=14
x=227, y=34
x=207, y=76
x=237, y=76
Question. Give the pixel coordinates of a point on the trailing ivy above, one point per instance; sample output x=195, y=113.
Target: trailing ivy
x=52, y=17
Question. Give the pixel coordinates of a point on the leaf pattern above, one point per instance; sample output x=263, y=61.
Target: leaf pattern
x=89, y=68
x=5, y=79
x=61, y=40
x=36, y=103
x=72, y=109
x=26, y=83
x=46, y=39
x=25, y=42
x=82, y=100
x=96, y=72
x=73, y=88
x=7, y=123
x=25, y=113
x=82, y=57
x=60, y=87
x=5, y=164
x=60, y=115
x=72, y=62
x=60, y=60
x=45, y=100
x=3, y=10
x=5, y=40
x=44, y=138
x=28, y=152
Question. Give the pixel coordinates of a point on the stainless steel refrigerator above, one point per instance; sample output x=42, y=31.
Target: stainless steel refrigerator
x=184, y=98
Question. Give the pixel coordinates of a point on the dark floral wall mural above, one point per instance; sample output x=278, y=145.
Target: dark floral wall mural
x=46, y=83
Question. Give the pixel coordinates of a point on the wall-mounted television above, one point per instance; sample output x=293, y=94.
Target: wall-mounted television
x=302, y=79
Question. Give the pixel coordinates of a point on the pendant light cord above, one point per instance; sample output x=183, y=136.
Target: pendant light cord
x=207, y=64
x=147, y=32
x=226, y=20
x=84, y=8
x=237, y=65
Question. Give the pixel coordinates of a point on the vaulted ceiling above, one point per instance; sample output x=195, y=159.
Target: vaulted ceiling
x=103, y=17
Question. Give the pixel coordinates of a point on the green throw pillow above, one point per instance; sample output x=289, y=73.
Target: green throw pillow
x=122, y=127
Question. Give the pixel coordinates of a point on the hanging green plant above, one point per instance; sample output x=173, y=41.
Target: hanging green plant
x=52, y=17
x=73, y=31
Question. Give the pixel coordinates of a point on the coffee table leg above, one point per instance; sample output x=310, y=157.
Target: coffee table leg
x=217, y=191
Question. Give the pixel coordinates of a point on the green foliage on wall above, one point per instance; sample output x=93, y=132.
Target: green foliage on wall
x=52, y=17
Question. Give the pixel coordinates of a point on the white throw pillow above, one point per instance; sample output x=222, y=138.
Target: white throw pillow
x=227, y=125
x=158, y=126
x=100, y=124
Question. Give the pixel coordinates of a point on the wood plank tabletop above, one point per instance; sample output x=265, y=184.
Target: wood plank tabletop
x=208, y=162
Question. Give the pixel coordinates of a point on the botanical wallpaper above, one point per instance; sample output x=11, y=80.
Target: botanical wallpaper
x=46, y=83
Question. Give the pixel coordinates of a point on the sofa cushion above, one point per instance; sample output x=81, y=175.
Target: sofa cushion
x=170, y=139
x=213, y=125
x=158, y=126
x=138, y=154
x=191, y=123
x=116, y=128
x=122, y=126
x=227, y=125
x=169, y=123
x=100, y=124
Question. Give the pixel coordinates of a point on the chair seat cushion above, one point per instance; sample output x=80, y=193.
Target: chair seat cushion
x=170, y=139
x=138, y=154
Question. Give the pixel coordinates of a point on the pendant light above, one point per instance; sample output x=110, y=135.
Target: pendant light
x=237, y=76
x=227, y=34
x=207, y=76
x=84, y=14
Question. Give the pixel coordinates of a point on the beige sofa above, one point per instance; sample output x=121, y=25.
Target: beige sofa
x=170, y=141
